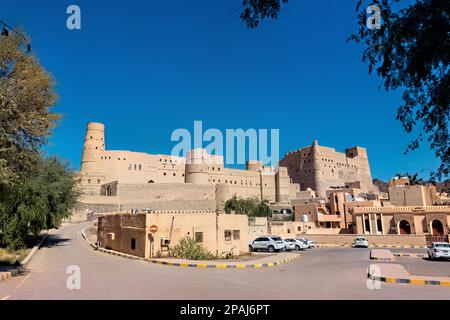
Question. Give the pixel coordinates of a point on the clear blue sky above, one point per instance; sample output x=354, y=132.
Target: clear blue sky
x=145, y=68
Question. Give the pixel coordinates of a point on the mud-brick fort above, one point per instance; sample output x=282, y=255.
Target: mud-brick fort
x=316, y=190
x=113, y=180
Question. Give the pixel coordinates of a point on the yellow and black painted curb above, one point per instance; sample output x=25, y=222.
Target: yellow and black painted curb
x=400, y=246
x=410, y=255
x=373, y=246
x=225, y=265
x=9, y=274
x=382, y=259
x=204, y=265
x=410, y=281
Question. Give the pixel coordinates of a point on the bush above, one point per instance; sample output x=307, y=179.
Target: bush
x=191, y=250
x=251, y=207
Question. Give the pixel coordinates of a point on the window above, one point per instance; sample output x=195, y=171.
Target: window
x=98, y=181
x=199, y=237
x=227, y=235
x=140, y=167
x=133, y=244
x=89, y=180
x=164, y=173
x=135, y=166
x=174, y=174
x=236, y=234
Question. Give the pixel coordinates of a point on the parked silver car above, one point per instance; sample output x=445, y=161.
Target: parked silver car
x=295, y=244
x=439, y=250
x=267, y=243
x=308, y=243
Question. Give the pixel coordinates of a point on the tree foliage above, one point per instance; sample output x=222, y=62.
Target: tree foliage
x=35, y=193
x=411, y=52
x=26, y=95
x=256, y=10
x=250, y=206
x=42, y=197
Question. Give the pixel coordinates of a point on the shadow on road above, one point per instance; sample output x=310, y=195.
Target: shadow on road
x=55, y=241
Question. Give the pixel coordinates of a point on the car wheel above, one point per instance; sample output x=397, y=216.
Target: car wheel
x=271, y=249
x=297, y=248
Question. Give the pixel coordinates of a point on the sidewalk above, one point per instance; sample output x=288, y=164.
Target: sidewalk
x=395, y=273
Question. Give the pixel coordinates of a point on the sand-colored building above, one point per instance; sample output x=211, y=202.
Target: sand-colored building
x=431, y=220
x=323, y=168
x=116, y=180
x=132, y=233
x=402, y=193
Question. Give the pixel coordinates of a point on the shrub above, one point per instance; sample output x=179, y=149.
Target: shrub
x=188, y=248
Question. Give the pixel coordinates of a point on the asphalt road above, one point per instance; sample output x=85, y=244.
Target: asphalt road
x=336, y=273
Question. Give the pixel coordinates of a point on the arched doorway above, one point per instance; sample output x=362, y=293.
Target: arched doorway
x=437, y=228
x=108, y=191
x=404, y=227
x=151, y=181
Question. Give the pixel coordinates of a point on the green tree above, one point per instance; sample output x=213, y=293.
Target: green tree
x=252, y=207
x=253, y=11
x=44, y=196
x=410, y=53
x=262, y=210
x=35, y=193
x=26, y=95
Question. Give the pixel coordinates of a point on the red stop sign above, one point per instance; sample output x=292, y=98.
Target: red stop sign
x=153, y=228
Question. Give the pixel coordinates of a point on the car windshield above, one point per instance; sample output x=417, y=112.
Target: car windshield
x=442, y=245
x=276, y=238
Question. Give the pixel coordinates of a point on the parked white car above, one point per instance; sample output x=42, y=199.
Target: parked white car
x=308, y=243
x=269, y=243
x=439, y=250
x=361, y=242
x=295, y=244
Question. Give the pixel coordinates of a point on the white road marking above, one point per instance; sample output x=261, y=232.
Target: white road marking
x=23, y=281
x=6, y=297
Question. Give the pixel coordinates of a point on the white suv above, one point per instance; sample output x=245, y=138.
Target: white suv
x=439, y=250
x=269, y=243
x=361, y=242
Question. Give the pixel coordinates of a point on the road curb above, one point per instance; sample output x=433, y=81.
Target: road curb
x=8, y=274
x=203, y=265
x=83, y=234
x=399, y=246
x=14, y=272
x=410, y=281
x=225, y=265
x=410, y=255
x=33, y=251
x=373, y=246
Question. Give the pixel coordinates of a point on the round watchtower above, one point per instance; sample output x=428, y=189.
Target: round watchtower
x=94, y=141
x=197, y=166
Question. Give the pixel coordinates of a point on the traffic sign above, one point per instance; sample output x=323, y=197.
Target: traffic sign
x=153, y=228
